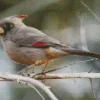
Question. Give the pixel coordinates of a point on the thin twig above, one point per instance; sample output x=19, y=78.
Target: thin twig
x=21, y=83
x=93, y=59
x=36, y=91
x=89, y=9
x=92, y=89
x=92, y=86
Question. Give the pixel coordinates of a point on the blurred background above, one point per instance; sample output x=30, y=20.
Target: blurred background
x=73, y=23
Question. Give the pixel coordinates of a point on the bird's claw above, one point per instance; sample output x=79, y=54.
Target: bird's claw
x=40, y=74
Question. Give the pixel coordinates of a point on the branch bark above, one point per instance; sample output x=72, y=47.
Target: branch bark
x=34, y=79
x=67, y=75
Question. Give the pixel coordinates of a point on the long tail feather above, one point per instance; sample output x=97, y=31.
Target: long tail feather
x=83, y=53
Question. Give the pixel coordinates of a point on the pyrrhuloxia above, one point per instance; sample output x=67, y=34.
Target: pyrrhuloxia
x=27, y=45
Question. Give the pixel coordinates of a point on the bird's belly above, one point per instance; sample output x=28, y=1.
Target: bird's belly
x=28, y=56
x=27, y=61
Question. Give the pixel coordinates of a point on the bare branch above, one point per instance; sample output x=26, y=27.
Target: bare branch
x=19, y=78
x=13, y=77
x=33, y=82
x=67, y=75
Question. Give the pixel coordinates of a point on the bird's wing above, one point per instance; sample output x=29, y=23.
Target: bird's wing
x=34, y=38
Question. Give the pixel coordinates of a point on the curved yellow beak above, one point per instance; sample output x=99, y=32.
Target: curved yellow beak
x=1, y=30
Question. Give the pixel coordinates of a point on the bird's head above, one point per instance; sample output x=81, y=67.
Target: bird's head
x=8, y=23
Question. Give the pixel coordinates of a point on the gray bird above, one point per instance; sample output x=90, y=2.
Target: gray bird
x=27, y=45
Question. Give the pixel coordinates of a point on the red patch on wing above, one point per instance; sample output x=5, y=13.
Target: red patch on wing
x=22, y=16
x=40, y=44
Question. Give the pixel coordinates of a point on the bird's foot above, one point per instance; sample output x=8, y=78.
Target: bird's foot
x=37, y=74
x=25, y=71
x=21, y=73
x=42, y=73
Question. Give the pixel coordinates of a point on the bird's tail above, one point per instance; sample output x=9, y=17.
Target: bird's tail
x=83, y=53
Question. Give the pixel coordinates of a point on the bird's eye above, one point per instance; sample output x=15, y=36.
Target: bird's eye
x=7, y=26
x=11, y=25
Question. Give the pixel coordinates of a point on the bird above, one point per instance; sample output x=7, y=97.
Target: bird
x=29, y=46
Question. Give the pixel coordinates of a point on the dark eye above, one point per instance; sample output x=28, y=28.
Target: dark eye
x=7, y=26
x=11, y=25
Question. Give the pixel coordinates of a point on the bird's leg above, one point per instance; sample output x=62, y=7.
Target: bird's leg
x=43, y=71
x=24, y=71
x=46, y=65
x=28, y=67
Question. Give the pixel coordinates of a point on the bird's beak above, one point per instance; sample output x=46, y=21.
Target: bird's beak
x=22, y=17
x=1, y=30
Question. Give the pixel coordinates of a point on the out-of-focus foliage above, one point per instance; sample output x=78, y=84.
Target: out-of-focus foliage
x=60, y=19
